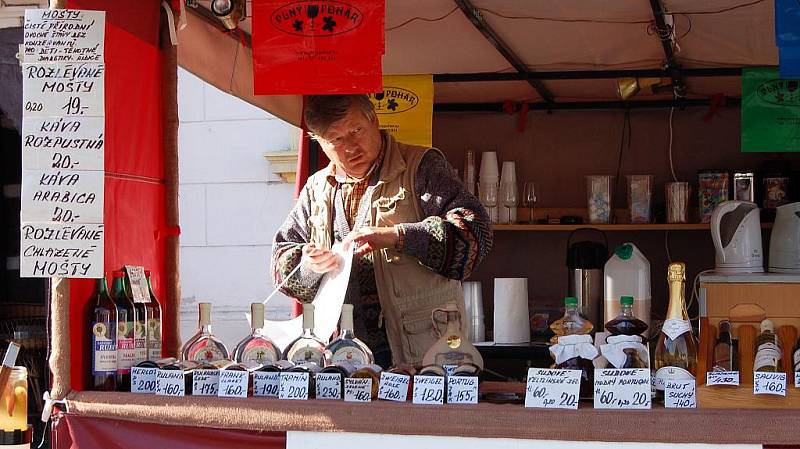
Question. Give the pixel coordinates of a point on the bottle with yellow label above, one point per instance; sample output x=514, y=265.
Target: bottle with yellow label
x=453, y=348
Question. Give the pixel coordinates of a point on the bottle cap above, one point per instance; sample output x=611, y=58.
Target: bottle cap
x=624, y=251
x=767, y=326
x=347, y=317
x=570, y=301
x=308, y=316
x=257, y=315
x=205, y=313
x=626, y=300
x=724, y=326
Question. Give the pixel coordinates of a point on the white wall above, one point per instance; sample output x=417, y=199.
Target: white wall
x=231, y=205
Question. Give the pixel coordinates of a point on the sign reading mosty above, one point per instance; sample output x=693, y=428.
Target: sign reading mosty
x=770, y=111
x=405, y=108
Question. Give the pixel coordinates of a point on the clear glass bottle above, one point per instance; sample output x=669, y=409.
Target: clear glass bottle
x=676, y=350
x=102, y=316
x=256, y=347
x=126, y=346
x=153, y=319
x=204, y=346
x=572, y=323
x=768, y=349
x=348, y=348
x=626, y=323
x=307, y=347
x=725, y=354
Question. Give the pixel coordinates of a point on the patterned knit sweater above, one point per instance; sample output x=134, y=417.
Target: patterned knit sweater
x=452, y=240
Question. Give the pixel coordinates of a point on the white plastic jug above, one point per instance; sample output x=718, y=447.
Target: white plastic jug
x=627, y=273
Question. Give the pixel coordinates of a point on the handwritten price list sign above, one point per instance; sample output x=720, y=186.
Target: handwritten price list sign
x=552, y=388
x=63, y=143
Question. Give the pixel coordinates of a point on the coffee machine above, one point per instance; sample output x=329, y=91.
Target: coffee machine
x=585, y=262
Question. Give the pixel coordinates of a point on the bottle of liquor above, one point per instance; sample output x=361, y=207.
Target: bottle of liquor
x=307, y=347
x=188, y=367
x=625, y=351
x=256, y=347
x=204, y=346
x=768, y=349
x=126, y=346
x=312, y=369
x=676, y=350
x=725, y=356
x=369, y=372
x=280, y=365
x=139, y=323
x=153, y=329
x=626, y=323
x=572, y=323
x=576, y=352
x=348, y=348
x=160, y=363
x=102, y=315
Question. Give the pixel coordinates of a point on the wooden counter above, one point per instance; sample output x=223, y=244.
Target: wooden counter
x=482, y=420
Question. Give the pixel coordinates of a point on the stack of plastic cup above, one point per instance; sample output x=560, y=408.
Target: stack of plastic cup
x=489, y=174
x=508, y=175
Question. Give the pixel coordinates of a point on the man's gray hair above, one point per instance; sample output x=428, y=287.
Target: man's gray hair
x=321, y=111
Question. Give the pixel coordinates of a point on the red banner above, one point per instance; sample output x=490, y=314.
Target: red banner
x=317, y=46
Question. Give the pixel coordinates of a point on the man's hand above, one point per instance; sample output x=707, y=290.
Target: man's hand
x=370, y=239
x=319, y=260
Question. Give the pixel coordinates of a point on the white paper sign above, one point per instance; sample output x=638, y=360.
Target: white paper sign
x=170, y=383
x=63, y=143
x=428, y=390
x=63, y=90
x=357, y=389
x=143, y=380
x=62, y=196
x=63, y=250
x=205, y=382
x=722, y=378
x=139, y=287
x=266, y=384
x=233, y=384
x=393, y=387
x=797, y=379
x=769, y=383
x=680, y=394
x=329, y=386
x=63, y=35
x=552, y=388
x=462, y=390
x=293, y=386
x=622, y=388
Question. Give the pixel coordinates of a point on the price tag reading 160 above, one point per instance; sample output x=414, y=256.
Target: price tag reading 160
x=769, y=383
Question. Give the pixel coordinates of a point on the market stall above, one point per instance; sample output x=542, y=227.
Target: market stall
x=538, y=84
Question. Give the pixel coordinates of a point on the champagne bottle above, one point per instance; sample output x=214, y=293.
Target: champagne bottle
x=768, y=349
x=307, y=347
x=204, y=346
x=102, y=314
x=676, y=350
x=256, y=347
x=348, y=348
x=725, y=356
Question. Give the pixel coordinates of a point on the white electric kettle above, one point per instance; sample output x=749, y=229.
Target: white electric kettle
x=736, y=232
x=784, y=245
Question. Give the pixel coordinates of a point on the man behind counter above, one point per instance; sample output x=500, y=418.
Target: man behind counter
x=416, y=231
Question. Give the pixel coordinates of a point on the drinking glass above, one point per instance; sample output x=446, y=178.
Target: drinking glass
x=509, y=195
x=529, y=197
x=488, y=193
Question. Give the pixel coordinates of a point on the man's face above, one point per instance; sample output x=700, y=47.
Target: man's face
x=352, y=143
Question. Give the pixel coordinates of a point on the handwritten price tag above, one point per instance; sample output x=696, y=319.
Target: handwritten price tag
x=462, y=390
x=293, y=386
x=357, y=389
x=769, y=383
x=266, y=384
x=722, y=378
x=233, y=384
x=205, y=382
x=143, y=380
x=680, y=394
x=797, y=379
x=552, y=388
x=329, y=386
x=428, y=390
x=393, y=387
x=170, y=383
x=622, y=388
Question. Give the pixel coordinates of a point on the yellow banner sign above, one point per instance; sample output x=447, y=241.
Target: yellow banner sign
x=405, y=108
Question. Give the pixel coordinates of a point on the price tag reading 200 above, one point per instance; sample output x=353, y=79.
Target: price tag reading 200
x=622, y=388
x=294, y=386
x=552, y=388
x=428, y=390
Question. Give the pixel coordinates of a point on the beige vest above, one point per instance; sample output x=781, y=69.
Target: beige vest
x=408, y=291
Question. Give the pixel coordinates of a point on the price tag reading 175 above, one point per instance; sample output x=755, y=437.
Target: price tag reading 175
x=170, y=383
x=462, y=390
x=293, y=386
x=205, y=382
x=143, y=380
x=266, y=384
x=622, y=388
x=428, y=390
x=233, y=384
x=552, y=388
x=769, y=383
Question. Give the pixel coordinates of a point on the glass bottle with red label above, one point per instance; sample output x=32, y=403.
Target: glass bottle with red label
x=348, y=348
x=153, y=323
x=256, y=347
x=204, y=346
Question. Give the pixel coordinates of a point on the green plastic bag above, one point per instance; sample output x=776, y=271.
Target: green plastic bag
x=770, y=112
